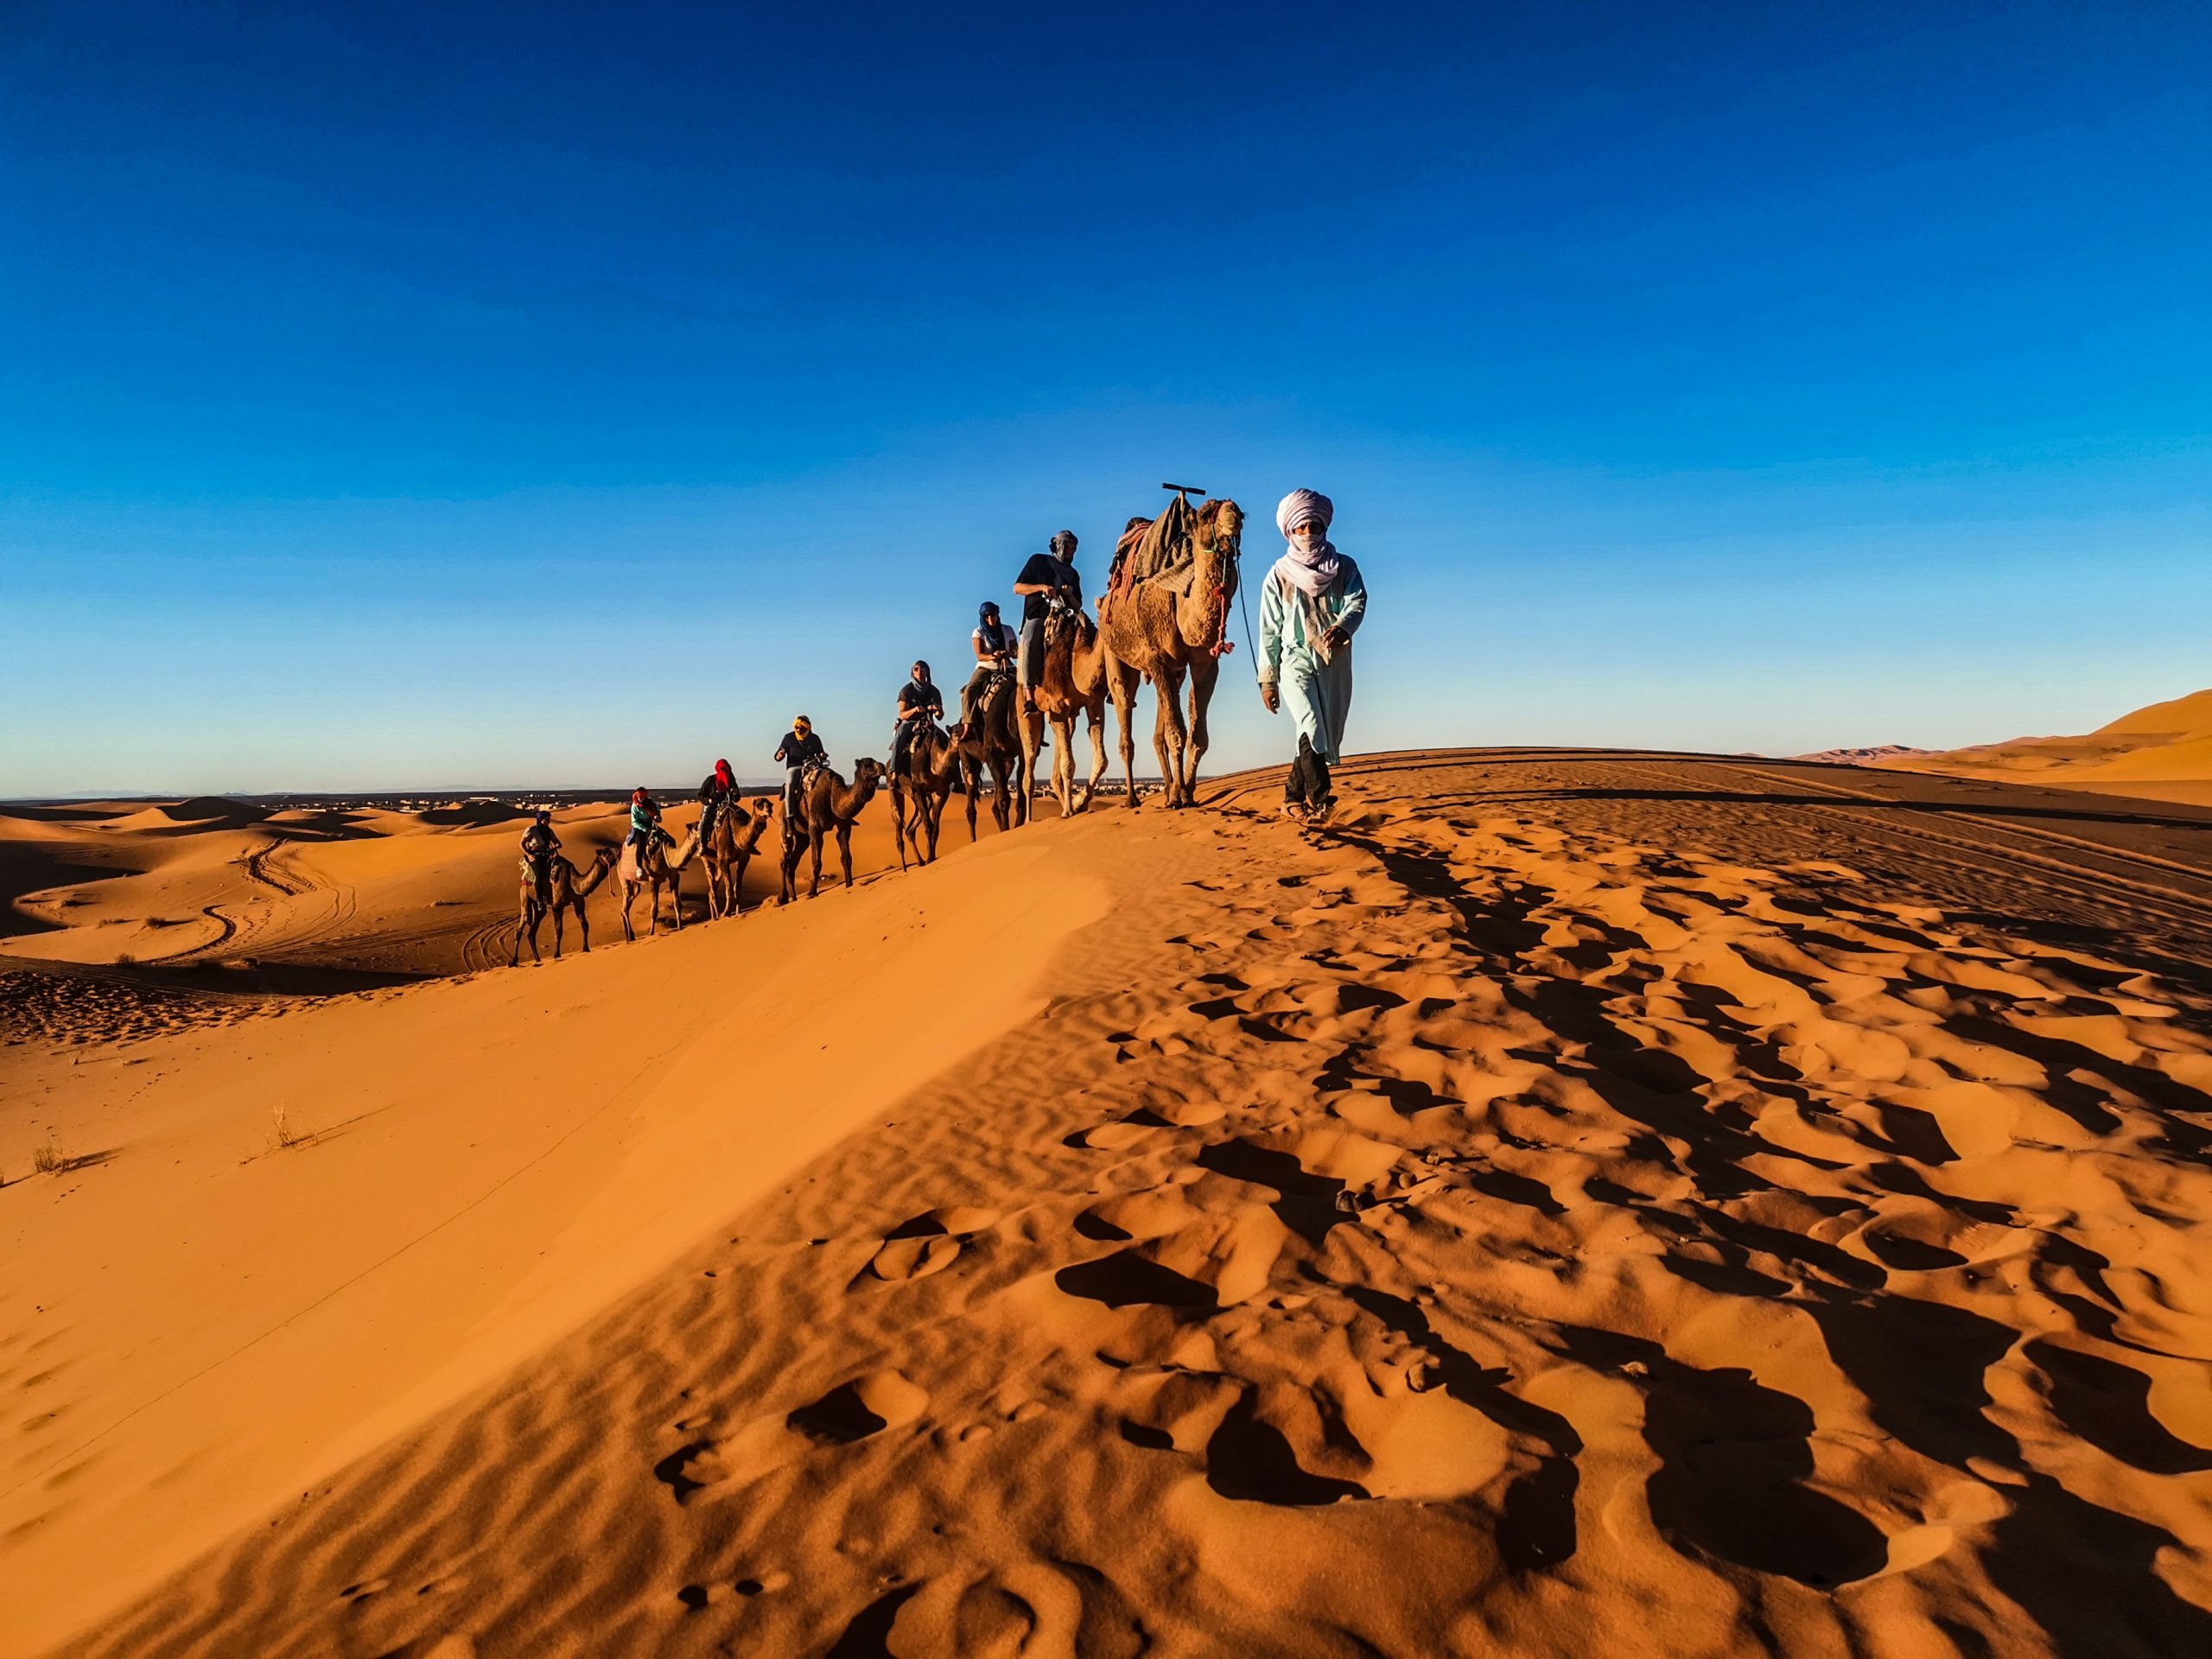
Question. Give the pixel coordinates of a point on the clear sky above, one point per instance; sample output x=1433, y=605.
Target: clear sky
x=414, y=394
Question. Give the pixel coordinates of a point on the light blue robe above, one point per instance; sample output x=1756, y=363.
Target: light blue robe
x=1317, y=694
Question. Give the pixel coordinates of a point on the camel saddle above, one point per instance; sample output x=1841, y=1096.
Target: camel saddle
x=1154, y=549
x=628, y=868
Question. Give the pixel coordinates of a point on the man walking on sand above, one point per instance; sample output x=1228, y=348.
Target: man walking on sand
x=1311, y=604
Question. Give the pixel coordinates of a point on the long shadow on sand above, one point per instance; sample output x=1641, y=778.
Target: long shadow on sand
x=1735, y=1455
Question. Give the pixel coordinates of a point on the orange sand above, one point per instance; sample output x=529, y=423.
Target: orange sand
x=2162, y=753
x=1580, y=1202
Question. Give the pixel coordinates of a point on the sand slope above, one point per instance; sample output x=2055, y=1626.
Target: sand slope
x=197, y=1318
x=1588, y=1203
x=2160, y=752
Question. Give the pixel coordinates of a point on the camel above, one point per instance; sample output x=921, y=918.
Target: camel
x=738, y=829
x=658, y=867
x=1163, y=625
x=1073, y=683
x=987, y=741
x=828, y=805
x=566, y=887
x=924, y=781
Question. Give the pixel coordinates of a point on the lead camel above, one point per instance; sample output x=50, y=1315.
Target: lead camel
x=1168, y=623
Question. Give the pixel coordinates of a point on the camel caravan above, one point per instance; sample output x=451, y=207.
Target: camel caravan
x=1163, y=618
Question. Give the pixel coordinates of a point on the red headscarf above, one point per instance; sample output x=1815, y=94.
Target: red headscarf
x=722, y=770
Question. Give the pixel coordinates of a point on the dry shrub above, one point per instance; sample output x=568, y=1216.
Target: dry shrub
x=282, y=1133
x=46, y=1159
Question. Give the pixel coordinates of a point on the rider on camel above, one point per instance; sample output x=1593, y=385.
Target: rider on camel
x=1046, y=579
x=645, y=821
x=994, y=645
x=920, y=702
x=539, y=844
x=800, y=749
x=718, y=791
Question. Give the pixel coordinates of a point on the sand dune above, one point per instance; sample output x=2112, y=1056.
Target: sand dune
x=2162, y=753
x=1583, y=1203
x=278, y=902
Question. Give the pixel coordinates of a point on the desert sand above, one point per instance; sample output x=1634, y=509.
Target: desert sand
x=1577, y=1203
x=2162, y=753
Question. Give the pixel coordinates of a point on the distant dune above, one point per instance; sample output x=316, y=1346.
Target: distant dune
x=2162, y=753
x=1867, y=757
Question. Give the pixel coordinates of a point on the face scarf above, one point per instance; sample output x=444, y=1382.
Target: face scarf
x=1311, y=563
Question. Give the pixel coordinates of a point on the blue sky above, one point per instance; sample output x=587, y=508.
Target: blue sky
x=404, y=395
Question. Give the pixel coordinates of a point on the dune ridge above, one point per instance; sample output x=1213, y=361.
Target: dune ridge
x=1586, y=1203
x=2162, y=751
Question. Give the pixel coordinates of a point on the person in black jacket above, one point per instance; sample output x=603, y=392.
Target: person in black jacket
x=920, y=702
x=716, y=793
x=1046, y=577
x=799, y=749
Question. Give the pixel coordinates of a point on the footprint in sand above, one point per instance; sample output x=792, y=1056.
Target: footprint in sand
x=850, y=1412
x=924, y=1244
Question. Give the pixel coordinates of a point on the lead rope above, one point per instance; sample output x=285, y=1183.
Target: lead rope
x=1251, y=644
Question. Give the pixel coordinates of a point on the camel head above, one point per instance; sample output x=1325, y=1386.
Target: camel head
x=1221, y=525
x=866, y=773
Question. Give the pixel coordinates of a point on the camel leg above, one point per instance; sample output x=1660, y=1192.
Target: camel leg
x=1122, y=683
x=1167, y=733
x=1204, y=671
x=1032, y=739
x=1063, y=764
x=845, y=849
x=629, y=898
x=1097, y=724
x=971, y=781
x=933, y=803
x=560, y=928
x=675, y=898
x=814, y=882
x=898, y=819
x=583, y=925
x=522, y=921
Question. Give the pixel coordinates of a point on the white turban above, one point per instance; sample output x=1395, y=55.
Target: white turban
x=1303, y=507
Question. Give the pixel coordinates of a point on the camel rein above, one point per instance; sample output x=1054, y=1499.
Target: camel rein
x=1222, y=644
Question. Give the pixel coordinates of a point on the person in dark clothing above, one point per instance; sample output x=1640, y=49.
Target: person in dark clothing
x=1046, y=577
x=799, y=749
x=539, y=844
x=1307, y=794
x=718, y=791
x=920, y=702
x=994, y=647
